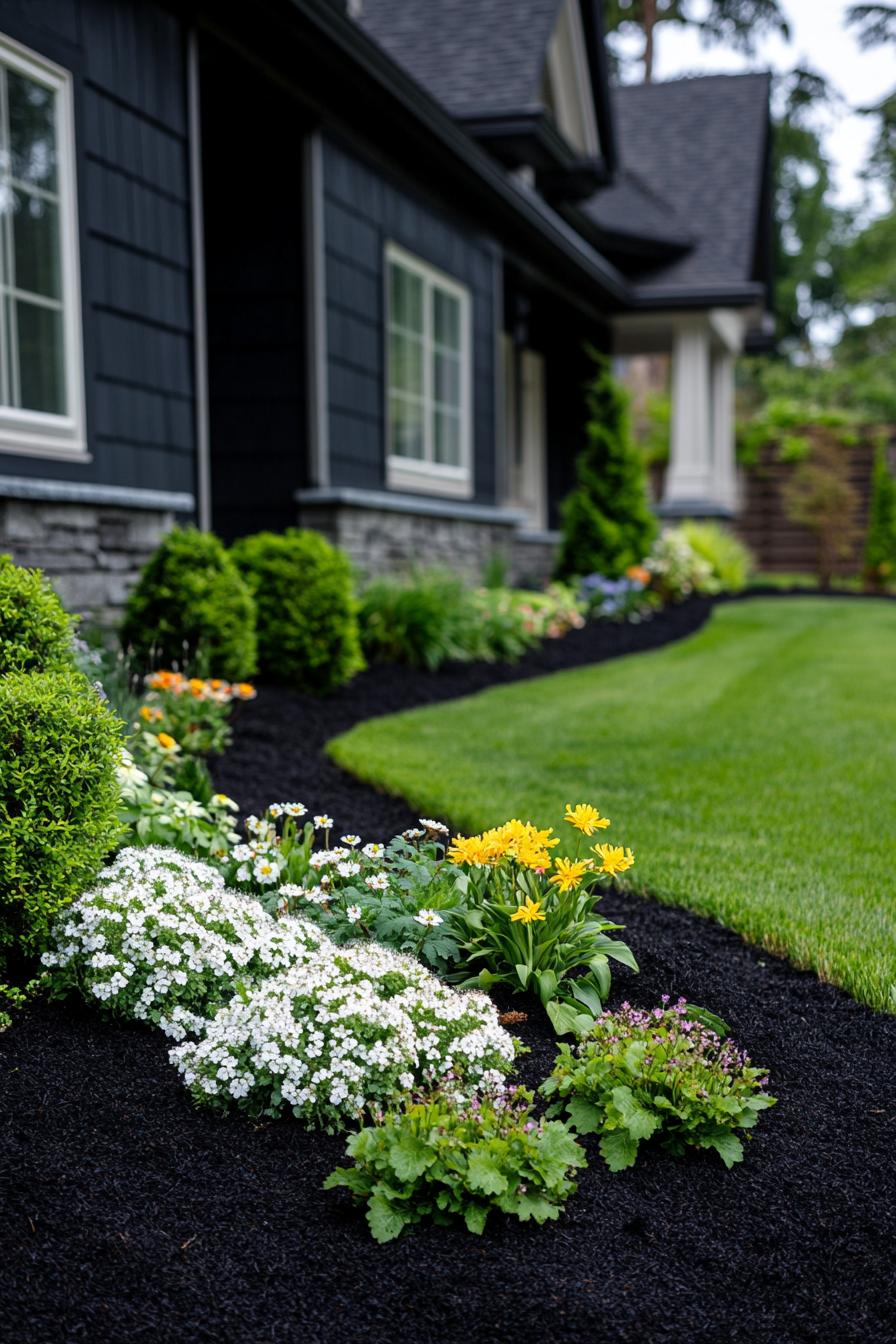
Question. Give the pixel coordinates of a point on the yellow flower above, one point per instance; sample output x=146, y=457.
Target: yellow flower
x=166, y=742
x=569, y=873
x=585, y=818
x=528, y=913
x=464, y=849
x=615, y=858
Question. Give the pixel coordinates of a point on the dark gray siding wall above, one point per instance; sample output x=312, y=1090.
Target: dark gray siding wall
x=127, y=58
x=363, y=211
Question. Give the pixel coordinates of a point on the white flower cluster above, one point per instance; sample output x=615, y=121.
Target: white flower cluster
x=284, y=1018
x=158, y=937
x=340, y=1032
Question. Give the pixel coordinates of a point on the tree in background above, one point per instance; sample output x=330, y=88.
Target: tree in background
x=735, y=23
x=880, y=543
x=821, y=497
x=607, y=521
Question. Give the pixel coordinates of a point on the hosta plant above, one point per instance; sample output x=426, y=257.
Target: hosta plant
x=350, y=1028
x=444, y=1156
x=657, y=1074
x=158, y=937
x=530, y=919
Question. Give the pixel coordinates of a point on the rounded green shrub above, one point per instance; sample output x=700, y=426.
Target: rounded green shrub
x=729, y=559
x=191, y=609
x=59, y=747
x=307, y=614
x=35, y=630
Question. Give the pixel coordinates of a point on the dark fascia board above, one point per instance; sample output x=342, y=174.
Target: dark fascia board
x=578, y=181
x=647, y=247
x=528, y=136
x=599, y=69
x=517, y=206
x=661, y=298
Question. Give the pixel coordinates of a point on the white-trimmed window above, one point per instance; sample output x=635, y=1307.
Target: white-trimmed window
x=428, y=378
x=41, y=379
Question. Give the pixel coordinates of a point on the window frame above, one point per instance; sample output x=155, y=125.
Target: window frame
x=408, y=473
x=43, y=433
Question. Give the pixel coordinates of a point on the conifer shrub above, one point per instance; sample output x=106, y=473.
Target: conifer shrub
x=607, y=522
x=191, y=608
x=307, y=614
x=35, y=630
x=59, y=748
x=880, y=542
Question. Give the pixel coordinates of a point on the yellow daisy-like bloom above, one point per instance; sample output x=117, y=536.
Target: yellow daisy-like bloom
x=166, y=741
x=529, y=913
x=466, y=849
x=585, y=818
x=615, y=858
x=518, y=840
x=569, y=873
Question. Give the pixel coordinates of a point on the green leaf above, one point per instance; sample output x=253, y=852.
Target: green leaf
x=611, y=947
x=522, y=971
x=557, y=1151
x=475, y=1216
x=728, y=1146
x=385, y=1221
x=410, y=1157
x=600, y=969
x=707, y=1019
x=565, y=1020
x=351, y=1177
x=547, y=985
x=619, y=1150
x=586, y=1117
x=639, y=1122
x=586, y=993
x=484, y=1175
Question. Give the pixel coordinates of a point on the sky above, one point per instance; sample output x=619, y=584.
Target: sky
x=819, y=39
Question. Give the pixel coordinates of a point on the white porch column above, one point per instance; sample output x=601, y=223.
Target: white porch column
x=689, y=477
x=724, y=490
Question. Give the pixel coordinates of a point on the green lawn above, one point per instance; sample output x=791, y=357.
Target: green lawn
x=752, y=768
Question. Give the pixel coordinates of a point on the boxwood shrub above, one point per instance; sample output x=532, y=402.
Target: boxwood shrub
x=307, y=614
x=59, y=747
x=35, y=630
x=191, y=608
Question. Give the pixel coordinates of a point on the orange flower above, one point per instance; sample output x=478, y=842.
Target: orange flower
x=639, y=573
x=244, y=690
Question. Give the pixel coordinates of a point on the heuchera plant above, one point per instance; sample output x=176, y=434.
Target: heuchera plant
x=657, y=1073
x=530, y=921
x=443, y=1156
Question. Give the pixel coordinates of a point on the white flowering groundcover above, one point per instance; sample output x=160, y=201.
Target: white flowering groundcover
x=282, y=1018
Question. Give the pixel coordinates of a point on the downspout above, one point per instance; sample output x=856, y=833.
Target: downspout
x=200, y=334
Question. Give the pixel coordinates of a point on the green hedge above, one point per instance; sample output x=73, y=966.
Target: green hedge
x=35, y=630
x=191, y=609
x=307, y=614
x=59, y=746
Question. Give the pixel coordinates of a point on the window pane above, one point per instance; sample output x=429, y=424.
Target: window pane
x=446, y=379
x=35, y=231
x=447, y=438
x=406, y=427
x=406, y=301
x=405, y=364
x=446, y=318
x=41, y=362
x=32, y=131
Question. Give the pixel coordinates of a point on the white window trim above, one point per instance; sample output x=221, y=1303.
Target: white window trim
x=567, y=71
x=36, y=433
x=405, y=473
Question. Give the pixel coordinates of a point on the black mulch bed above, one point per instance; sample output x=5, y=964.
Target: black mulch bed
x=130, y=1216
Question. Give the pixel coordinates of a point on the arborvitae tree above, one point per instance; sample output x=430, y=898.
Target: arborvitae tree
x=607, y=521
x=880, y=543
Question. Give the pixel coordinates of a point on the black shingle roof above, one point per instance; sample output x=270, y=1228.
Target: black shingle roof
x=474, y=56
x=699, y=144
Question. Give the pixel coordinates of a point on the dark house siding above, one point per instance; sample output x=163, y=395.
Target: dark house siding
x=127, y=60
x=363, y=211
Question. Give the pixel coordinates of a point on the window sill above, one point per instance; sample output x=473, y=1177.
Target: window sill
x=427, y=479
x=42, y=436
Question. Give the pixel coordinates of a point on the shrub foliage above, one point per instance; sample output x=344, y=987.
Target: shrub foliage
x=607, y=521
x=880, y=543
x=307, y=615
x=191, y=607
x=59, y=744
x=35, y=631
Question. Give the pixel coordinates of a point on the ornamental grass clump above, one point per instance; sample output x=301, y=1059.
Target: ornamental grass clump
x=529, y=919
x=159, y=938
x=657, y=1074
x=347, y=1029
x=59, y=748
x=442, y=1156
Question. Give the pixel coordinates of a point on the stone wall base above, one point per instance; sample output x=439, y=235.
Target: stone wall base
x=385, y=541
x=91, y=553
